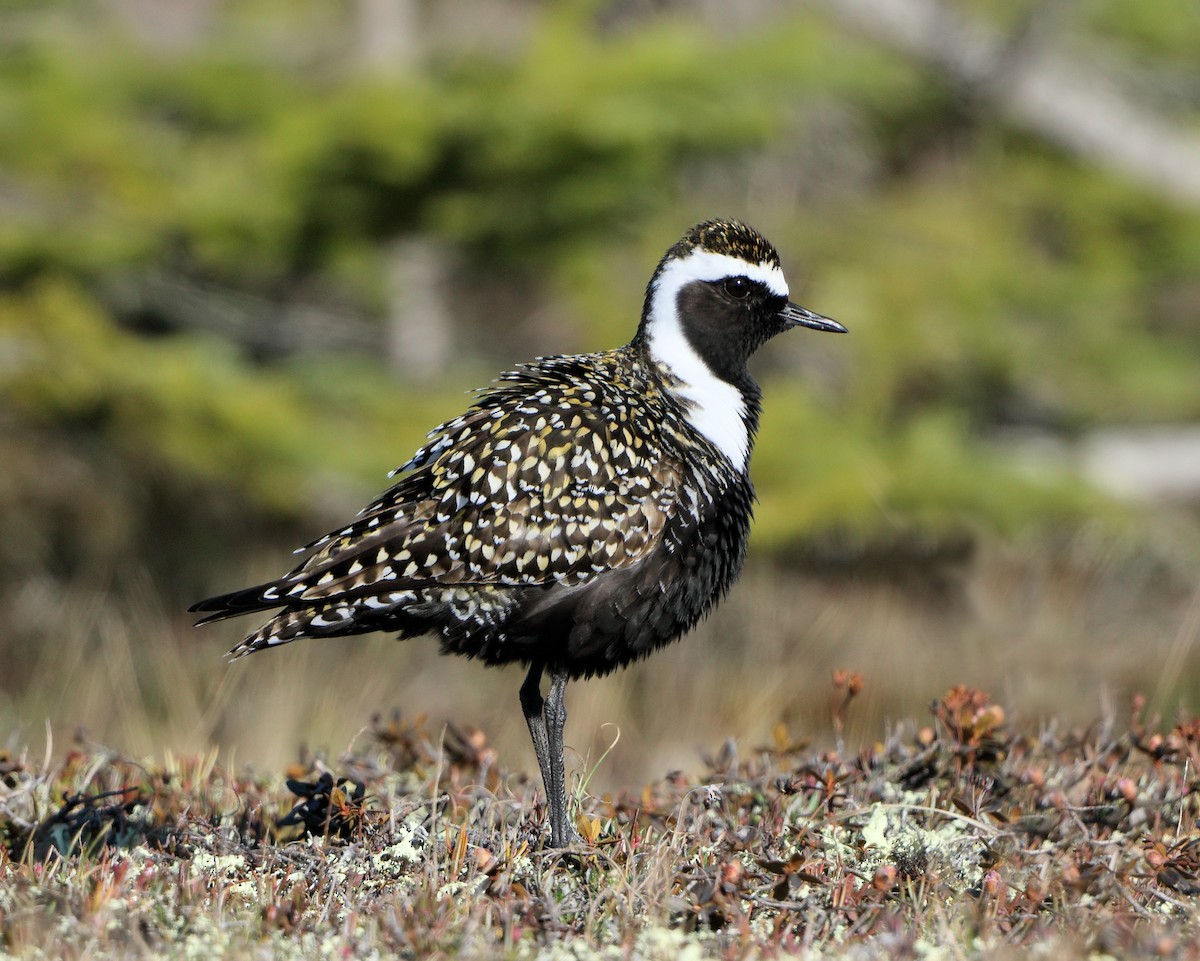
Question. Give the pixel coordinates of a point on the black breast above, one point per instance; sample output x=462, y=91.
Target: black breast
x=623, y=615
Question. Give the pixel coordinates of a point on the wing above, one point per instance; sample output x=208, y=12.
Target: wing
x=535, y=484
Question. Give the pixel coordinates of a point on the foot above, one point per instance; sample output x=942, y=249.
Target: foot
x=573, y=840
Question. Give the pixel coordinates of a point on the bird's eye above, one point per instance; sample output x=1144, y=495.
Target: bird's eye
x=737, y=287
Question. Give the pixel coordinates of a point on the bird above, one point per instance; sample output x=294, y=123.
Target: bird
x=584, y=511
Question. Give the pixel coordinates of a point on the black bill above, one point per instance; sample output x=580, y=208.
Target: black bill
x=794, y=315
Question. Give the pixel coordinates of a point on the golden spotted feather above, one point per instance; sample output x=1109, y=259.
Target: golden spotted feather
x=551, y=477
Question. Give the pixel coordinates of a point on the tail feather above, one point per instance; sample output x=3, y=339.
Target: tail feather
x=263, y=597
x=347, y=613
x=334, y=618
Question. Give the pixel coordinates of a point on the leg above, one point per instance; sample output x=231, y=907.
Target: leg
x=546, y=719
x=534, y=709
x=562, y=833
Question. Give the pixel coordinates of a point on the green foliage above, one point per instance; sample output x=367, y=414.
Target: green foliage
x=192, y=407
x=256, y=168
x=186, y=405
x=870, y=478
x=987, y=282
x=1164, y=32
x=1030, y=294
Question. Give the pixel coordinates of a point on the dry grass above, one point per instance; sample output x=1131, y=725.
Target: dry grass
x=957, y=835
x=961, y=837
x=1066, y=636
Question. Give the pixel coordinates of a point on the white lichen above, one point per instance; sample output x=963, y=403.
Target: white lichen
x=896, y=835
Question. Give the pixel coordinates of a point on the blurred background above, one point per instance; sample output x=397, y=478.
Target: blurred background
x=251, y=251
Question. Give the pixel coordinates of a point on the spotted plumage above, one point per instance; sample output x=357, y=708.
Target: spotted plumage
x=584, y=511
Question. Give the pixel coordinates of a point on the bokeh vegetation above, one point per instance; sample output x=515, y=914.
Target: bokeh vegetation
x=198, y=243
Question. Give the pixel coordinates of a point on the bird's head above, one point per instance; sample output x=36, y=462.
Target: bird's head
x=716, y=297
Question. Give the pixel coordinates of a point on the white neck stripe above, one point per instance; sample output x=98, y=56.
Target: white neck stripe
x=714, y=407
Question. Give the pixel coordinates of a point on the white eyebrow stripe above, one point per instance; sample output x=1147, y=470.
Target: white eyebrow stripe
x=708, y=266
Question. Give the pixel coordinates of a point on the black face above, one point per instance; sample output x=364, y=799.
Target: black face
x=727, y=320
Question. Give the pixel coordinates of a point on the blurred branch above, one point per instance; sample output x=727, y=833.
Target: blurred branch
x=166, y=27
x=301, y=323
x=389, y=35
x=1075, y=105
x=393, y=39
x=420, y=329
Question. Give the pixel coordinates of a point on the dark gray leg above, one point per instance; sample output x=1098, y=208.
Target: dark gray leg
x=546, y=719
x=534, y=709
x=562, y=833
